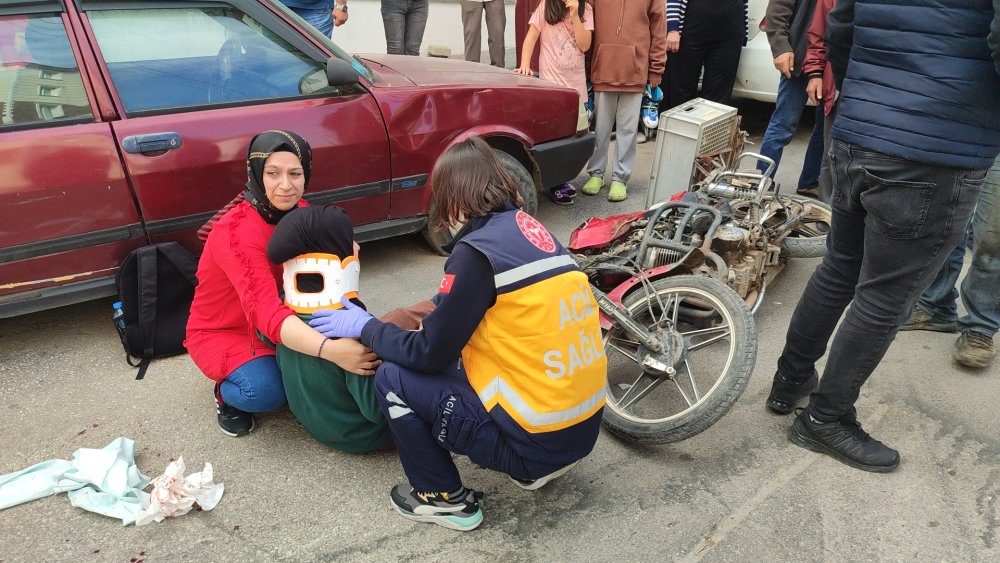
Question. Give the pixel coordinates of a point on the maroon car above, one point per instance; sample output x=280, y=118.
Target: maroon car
x=126, y=122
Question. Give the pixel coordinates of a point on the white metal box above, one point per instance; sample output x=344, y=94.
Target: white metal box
x=684, y=133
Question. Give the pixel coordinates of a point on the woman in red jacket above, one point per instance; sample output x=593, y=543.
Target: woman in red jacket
x=237, y=294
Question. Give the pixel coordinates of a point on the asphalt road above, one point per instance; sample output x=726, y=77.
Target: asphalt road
x=737, y=492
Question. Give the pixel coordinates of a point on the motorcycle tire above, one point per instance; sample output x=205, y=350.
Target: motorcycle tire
x=707, y=307
x=438, y=239
x=808, y=239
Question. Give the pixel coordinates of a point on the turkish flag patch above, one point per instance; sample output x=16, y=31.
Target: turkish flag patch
x=446, y=283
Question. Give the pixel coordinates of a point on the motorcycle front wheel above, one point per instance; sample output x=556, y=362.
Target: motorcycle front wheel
x=713, y=351
x=807, y=239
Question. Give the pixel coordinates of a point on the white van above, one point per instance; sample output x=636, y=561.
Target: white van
x=756, y=77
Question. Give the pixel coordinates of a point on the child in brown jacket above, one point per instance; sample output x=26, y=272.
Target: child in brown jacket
x=629, y=51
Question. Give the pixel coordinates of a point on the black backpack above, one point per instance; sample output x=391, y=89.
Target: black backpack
x=155, y=285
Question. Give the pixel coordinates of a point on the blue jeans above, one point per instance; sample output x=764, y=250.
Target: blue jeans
x=433, y=415
x=321, y=19
x=255, y=386
x=404, y=22
x=981, y=286
x=788, y=108
x=894, y=223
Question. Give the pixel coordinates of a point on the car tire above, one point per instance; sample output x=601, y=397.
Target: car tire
x=526, y=187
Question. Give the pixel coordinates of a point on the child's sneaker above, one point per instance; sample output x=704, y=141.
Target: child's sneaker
x=462, y=514
x=589, y=104
x=562, y=195
x=651, y=107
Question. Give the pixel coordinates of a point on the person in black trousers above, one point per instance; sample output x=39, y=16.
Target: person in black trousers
x=709, y=35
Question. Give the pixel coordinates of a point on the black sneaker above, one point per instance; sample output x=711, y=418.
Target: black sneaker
x=844, y=441
x=462, y=514
x=232, y=420
x=535, y=484
x=785, y=392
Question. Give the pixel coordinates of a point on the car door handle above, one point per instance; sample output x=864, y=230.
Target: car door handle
x=153, y=142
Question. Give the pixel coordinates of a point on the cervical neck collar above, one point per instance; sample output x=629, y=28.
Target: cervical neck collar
x=340, y=279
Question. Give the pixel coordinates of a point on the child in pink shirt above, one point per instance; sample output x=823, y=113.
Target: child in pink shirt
x=565, y=28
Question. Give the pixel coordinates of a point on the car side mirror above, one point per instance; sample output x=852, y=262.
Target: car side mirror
x=340, y=73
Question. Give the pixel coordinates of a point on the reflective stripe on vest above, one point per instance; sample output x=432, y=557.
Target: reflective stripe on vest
x=532, y=269
x=499, y=389
x=538, y=354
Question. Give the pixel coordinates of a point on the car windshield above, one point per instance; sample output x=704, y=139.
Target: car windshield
x=359, y=65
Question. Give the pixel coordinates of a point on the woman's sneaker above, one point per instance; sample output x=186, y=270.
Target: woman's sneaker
x=232, y=420
x=462, y=513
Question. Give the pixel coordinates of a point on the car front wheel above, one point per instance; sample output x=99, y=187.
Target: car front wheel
x=525, y=182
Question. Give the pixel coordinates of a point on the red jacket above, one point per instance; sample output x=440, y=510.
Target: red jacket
x=237, y=295
x=815, y=64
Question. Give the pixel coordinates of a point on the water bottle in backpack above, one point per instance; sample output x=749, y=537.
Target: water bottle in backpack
x=118, y=317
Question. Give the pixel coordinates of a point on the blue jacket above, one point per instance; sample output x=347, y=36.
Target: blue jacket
x=921, y=83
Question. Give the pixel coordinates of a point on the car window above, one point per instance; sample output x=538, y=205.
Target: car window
x=182, y=57
x=359, y=65
x=39, y=79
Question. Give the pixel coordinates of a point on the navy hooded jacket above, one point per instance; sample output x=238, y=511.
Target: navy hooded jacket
x=921, y=83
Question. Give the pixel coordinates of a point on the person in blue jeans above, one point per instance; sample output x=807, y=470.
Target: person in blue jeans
x=909, y=158
x=324, y=15
x=786, y=24
x=404, y=22
x=937, y=308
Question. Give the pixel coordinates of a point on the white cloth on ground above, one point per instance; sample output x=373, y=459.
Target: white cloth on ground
x=105, y=481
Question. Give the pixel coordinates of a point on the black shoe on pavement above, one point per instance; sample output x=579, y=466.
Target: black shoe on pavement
x=462, y=513
x=232, y=420
x=844, y=441
x=785, y=392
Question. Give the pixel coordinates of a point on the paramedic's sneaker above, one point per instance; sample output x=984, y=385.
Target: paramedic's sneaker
x=618, y=191
x=974, y=349
x=535, y=484
x=593, y=185
x=462, y=514
x=232, y=420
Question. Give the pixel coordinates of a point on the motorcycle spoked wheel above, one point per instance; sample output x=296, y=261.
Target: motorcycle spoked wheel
x=807, y=239
x=712, y=370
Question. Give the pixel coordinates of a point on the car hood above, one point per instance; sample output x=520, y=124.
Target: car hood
x=431, y=71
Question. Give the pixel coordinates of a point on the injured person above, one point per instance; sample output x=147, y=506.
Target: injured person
x=315, y=246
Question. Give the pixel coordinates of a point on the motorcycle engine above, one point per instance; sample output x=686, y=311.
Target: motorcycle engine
x=735, y=245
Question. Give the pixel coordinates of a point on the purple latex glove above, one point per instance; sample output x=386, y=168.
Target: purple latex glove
x=341, y=323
